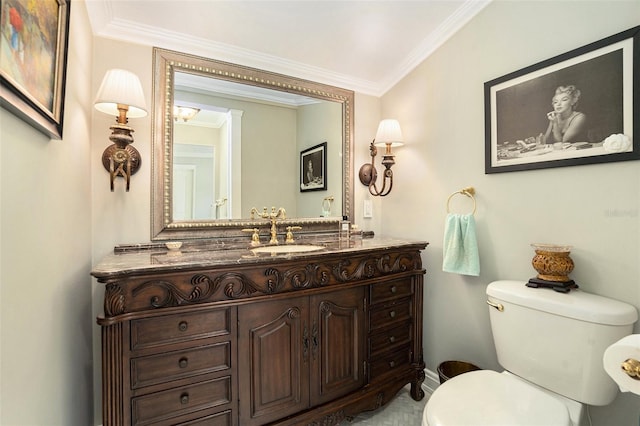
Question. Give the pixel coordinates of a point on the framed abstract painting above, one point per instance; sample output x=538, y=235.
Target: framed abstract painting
x=33, y=51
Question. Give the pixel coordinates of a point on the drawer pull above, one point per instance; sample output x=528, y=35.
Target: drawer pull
x=394, y=289
x=392, y=339
x=392, y=364
x=183, y=362
x=392, y=314
x=184, y=398
x=182, y=326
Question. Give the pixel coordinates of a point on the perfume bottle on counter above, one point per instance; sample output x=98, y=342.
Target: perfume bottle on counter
x=345, y=229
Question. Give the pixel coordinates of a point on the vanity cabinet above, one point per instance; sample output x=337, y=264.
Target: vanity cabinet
x=208, y=338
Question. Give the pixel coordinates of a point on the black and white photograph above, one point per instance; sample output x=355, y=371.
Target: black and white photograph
x=573, y=109
x=313, y=168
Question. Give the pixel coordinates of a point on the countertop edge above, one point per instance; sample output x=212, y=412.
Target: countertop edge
x=134, y=263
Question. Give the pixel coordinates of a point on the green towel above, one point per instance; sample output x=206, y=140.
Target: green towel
x=460, y=247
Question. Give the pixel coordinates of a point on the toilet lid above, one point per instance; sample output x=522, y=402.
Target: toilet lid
x=487, y=397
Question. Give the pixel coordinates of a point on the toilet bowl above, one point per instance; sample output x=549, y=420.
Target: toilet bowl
x=550, y=345
x=487, y=397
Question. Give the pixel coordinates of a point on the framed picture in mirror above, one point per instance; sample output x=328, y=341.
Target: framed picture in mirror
x=575, y=108
x=313, y=168
x=34, y=60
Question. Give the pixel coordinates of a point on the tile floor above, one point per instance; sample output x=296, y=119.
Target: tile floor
x=401, y=411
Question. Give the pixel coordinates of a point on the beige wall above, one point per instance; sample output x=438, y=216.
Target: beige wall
x=367, y=116
x=441, y=108
x=118, y=217
x=45, y=228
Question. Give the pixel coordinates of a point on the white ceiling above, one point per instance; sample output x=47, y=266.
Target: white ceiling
x=366, y=46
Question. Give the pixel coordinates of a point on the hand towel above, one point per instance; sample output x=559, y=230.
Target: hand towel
x=460, y=247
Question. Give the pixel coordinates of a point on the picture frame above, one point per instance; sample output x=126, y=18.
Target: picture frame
x=525, y=131
x=35, y=41
x=313, y=168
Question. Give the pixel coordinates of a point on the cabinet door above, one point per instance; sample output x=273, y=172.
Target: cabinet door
x=337, y=344
x=273, y=360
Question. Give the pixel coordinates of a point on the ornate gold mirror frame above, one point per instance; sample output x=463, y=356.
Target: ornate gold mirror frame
x=166, y=64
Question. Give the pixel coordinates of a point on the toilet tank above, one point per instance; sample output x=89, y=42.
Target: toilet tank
x=557, y=340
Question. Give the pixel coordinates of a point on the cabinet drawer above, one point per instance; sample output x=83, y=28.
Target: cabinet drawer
x=168, y=329
x=391, y=362
x=390, y=340
x=169, y=366
x=392, y=313
x=390, y=290
x=161, y=406
x=219, y=419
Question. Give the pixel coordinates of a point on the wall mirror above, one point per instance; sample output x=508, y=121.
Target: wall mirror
x=228, y=138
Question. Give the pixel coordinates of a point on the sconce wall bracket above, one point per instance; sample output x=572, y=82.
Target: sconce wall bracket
x=368, y=173
x=120, y=158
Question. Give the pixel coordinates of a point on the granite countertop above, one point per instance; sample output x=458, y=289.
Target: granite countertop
x=157, y=258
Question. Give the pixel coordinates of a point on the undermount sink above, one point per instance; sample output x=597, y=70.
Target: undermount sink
x=290, y=248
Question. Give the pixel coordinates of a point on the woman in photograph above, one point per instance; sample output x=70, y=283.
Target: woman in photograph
x=565, y=123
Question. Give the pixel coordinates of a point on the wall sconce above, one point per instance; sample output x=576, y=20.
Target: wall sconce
x=120, y=94
x=184, y=113
x=388, y=135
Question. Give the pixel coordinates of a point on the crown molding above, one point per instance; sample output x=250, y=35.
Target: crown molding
x=105, y=25
x=432, y=42
x=137, y=33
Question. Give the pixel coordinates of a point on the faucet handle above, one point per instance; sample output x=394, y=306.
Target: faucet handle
x=290, y=229
x=255, y=237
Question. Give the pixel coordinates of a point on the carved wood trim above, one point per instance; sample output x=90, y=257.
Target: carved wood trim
x=112, y=386
x=330, y=419
x=170, y=290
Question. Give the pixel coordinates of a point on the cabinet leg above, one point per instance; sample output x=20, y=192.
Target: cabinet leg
x=416, y=384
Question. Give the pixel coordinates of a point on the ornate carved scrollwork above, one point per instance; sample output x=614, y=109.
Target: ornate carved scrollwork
x=238, y=285
x=365, y=269
x=293, y=312
x=171, y=295
x=371, y=267
x=379, y=400
x=330, y=419
x=315, y=342
x=403, y=262
x=309, y=276
x=234, y=285
x=113, y=300
x=305, y=344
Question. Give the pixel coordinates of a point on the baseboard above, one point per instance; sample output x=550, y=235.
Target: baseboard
x=431, y=381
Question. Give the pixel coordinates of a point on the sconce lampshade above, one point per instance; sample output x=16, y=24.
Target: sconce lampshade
x=124, y=88
x=389, y=133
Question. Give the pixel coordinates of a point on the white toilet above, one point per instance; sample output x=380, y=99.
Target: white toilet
x=551, y=346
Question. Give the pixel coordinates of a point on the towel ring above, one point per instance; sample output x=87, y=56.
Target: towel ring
x=469, y=192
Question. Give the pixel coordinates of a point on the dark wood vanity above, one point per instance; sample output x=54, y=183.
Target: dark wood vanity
x=230, y=337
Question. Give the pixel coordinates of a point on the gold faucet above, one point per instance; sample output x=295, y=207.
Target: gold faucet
x=290, y=229
x=255, y=237
x=272, y=217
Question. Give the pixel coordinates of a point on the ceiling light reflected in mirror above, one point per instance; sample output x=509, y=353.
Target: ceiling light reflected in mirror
x=184, y=113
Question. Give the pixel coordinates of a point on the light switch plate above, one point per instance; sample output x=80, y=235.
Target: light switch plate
x=367, y=210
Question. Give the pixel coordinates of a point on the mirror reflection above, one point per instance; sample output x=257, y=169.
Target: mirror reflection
x=231, y=144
